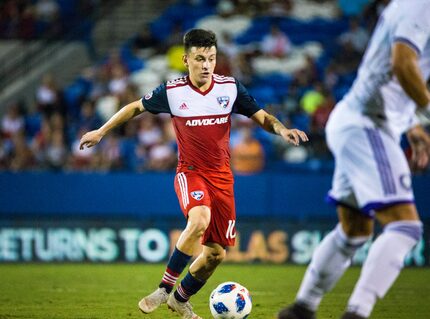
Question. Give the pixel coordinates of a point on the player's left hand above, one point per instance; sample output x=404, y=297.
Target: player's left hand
x=419, y=140
x=294, y=136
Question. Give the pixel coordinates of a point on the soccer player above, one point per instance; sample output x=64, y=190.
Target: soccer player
x=372, y=179
x=200, y=105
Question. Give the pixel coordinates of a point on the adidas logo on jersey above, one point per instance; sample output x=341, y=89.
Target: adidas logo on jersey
x=204, y=122
x=183, y=106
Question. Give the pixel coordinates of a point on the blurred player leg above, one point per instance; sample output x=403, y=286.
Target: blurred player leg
x=329, y=262
x=386, y=257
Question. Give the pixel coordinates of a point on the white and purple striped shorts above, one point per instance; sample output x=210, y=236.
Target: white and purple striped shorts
x=371, y=170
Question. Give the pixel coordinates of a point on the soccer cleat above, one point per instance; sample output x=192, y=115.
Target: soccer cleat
x=183, y=308
x=351, y=315
x=153, y=301
x=296, y=311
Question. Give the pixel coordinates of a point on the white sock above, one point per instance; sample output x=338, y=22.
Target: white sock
x=329, y=261
x=383, y=265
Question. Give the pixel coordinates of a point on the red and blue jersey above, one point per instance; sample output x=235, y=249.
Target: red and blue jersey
x=202, y=121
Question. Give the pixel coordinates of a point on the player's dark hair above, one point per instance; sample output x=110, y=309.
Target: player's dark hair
x=199, y=38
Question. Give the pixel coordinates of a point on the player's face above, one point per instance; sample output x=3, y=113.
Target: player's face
x=201, y=64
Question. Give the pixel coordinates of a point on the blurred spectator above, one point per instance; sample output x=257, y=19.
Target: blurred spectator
x=12, y=122
x=318, y=122
x=114, y=61
x=47, y=10
x=276, y=43
x=296, y=154
x=247, y=156
x=49, y=97
x=223, y=65
x=5, y=149
x=242, y=69
x=331, y=76
x=175, y=37
x=149, y=132
x=279, y=8
x=110, y=157
x=21, y=155
x=320, y=116
x=40, y=141
x=10, y=19
x=99, y=78
x=145, y=44
x=119, y=80
x=27, y=26
x=161, y=157
x=49, y=19
x=356, y=36
x=229, y=19
x=346, y=59
x=106, y=106
x=139, y=158
x=88, y=119
x=56, y=151
x=227, y=46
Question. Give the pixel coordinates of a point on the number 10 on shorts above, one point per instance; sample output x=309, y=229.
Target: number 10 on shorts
x=231, y=232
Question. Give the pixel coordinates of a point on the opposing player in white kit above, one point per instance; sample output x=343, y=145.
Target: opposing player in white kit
x=372, y=179
x=200, y=105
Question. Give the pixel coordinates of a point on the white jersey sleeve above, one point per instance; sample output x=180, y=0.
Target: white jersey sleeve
x=413, y=28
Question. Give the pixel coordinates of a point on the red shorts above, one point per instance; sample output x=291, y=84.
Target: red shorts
x=194, y=190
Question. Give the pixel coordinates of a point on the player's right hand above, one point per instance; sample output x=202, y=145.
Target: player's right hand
x=294, y=136
x=90, y=139
x=419, y=141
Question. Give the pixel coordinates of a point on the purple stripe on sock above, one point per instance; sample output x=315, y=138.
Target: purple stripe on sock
x=414, y=231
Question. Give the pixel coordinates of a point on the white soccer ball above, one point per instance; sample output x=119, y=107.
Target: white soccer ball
x=230, y=300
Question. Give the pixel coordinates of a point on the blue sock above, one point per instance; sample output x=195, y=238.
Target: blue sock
x=177, y=262
x=189, y=286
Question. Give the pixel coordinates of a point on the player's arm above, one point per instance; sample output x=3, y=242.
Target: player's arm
x=405, y=66
x=123, y=115
x=272, y=125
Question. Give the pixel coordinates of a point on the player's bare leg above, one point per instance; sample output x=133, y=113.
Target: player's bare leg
x=201, y=269
x=206, y=263
x=198, y=221
x=199, y=218
x=329, y=262
x=402, y=230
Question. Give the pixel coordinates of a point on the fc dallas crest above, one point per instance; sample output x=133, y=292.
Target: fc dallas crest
x=223, y=101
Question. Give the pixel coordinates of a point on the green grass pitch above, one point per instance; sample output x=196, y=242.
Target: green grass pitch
x=100, y=291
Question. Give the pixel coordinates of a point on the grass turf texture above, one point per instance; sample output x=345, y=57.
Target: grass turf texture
x=100, y=291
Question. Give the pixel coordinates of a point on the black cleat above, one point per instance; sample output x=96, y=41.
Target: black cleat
x=296, y=311
x=351, y=315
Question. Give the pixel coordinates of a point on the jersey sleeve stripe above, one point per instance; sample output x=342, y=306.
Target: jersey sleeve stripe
x=408, y=43
x=222, y=78
x=172, y=86
x=224, y=82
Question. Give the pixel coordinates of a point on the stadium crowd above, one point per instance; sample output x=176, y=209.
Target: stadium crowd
x=297, y=80
x=32, y=19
